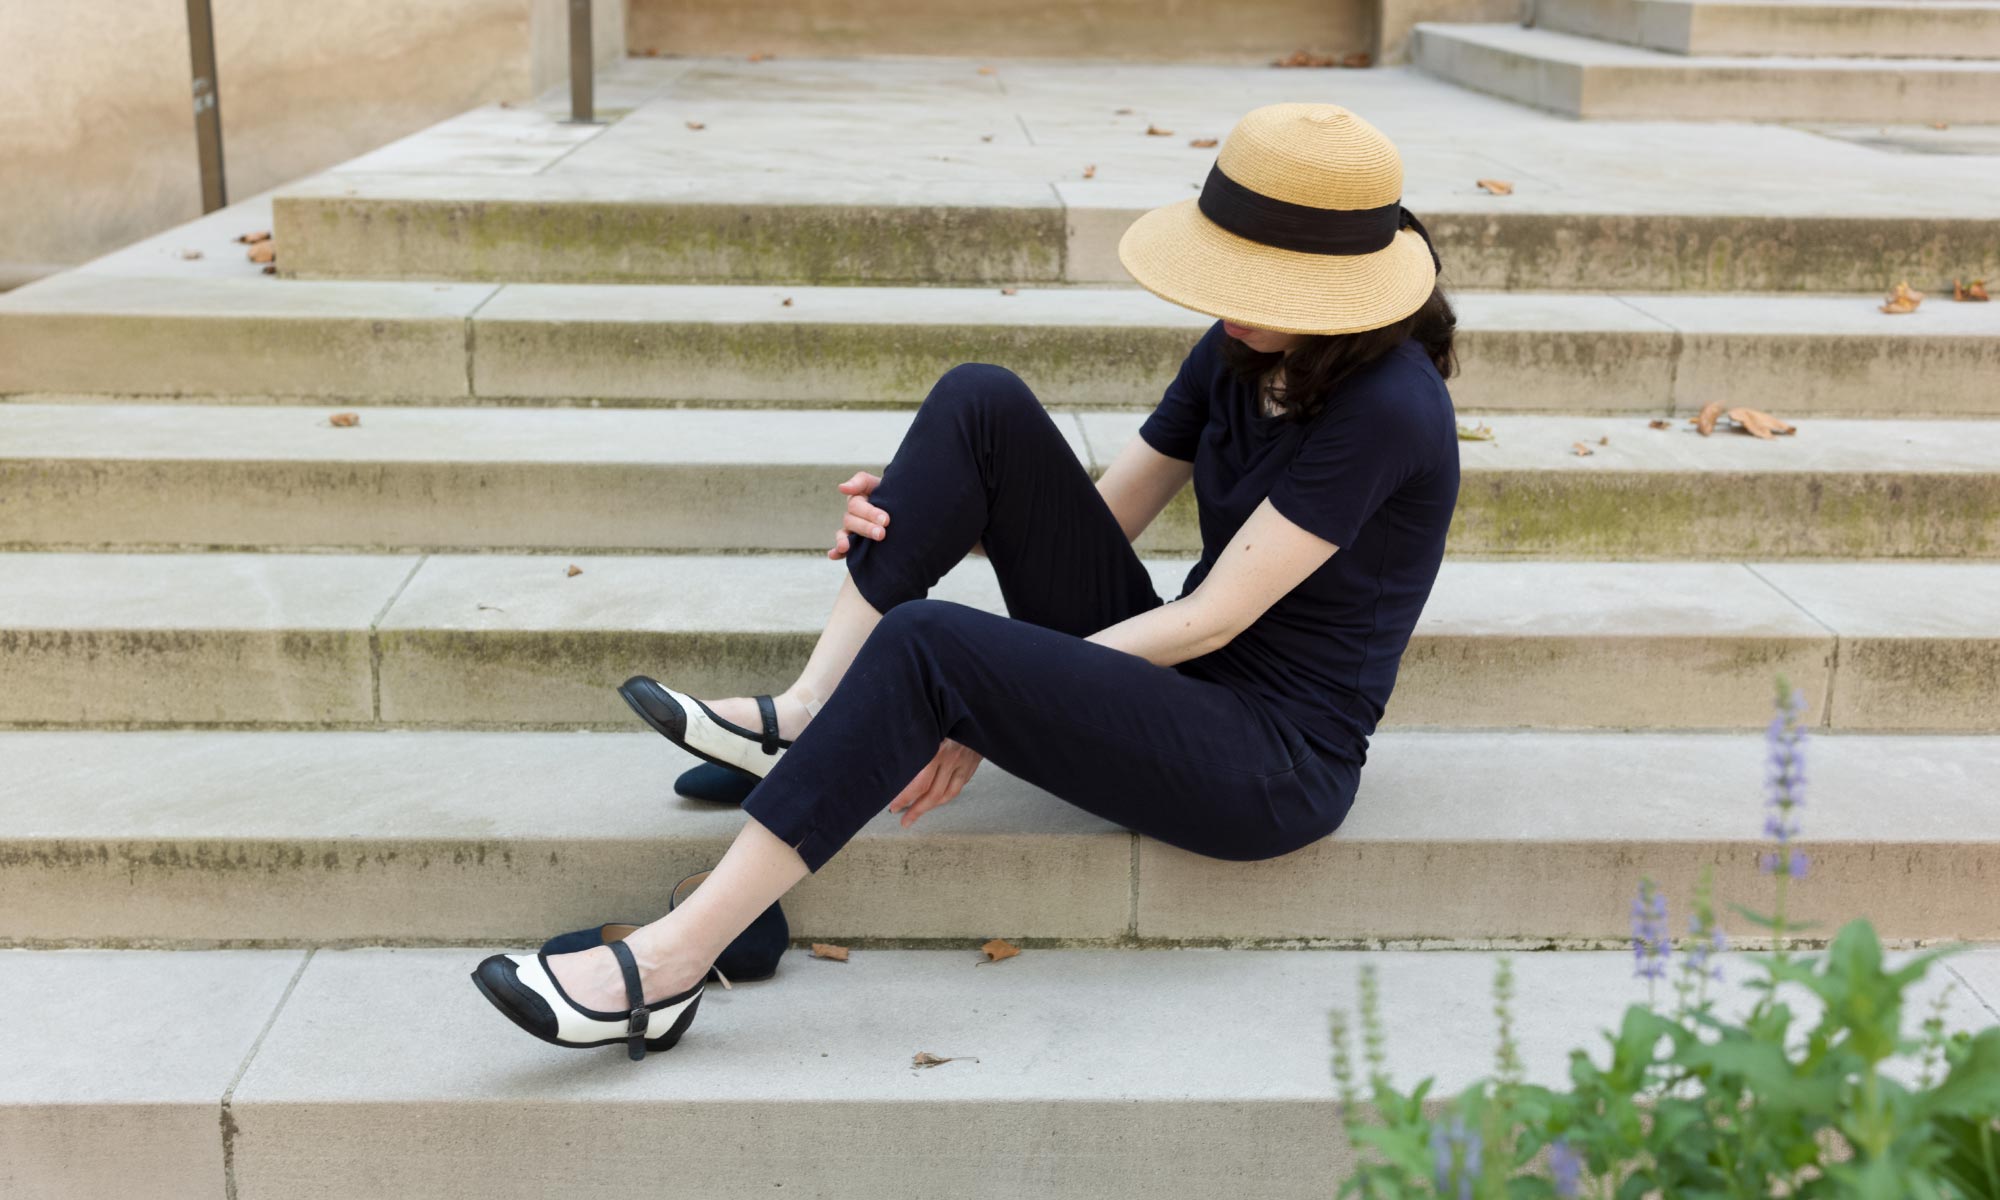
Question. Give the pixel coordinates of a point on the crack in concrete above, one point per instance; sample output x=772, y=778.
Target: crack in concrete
x=227, y=1118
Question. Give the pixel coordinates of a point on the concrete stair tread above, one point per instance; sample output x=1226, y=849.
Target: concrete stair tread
x=484, y=640
x=1587, y=52
x=839, y=439
x=1136, y=1072
x=201, y=838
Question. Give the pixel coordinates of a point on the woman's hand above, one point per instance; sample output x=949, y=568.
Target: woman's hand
x=864, y=517
x=938, y=782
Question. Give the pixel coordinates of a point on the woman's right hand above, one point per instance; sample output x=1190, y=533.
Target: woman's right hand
x=862, y=517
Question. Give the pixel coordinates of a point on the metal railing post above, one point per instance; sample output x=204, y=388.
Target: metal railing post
x=582, y=65
x=207, y=106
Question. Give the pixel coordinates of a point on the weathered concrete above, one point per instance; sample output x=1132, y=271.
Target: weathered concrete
x=1544, y=835
x=1100, y=1060
x=1853, y=28
x=103, y=476
x=95, y=1107
x=1944, y=672
x=182, y=838
x=1584, y=77
x=92, y=639
x=193, y=838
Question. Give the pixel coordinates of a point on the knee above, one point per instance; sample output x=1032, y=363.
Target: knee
x=986, y=385
x=935, y=625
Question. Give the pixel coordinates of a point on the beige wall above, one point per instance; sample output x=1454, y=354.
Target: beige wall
x=96, y=127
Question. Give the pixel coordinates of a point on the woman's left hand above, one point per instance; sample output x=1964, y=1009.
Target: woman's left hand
x=937, y=782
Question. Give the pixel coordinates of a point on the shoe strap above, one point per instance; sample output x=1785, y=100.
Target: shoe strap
x=768, y=709
x=635, y=993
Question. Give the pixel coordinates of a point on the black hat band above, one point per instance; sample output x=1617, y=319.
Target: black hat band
x=1301, y=227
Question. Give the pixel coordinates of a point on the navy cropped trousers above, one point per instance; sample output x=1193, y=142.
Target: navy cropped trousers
x=1190, y=761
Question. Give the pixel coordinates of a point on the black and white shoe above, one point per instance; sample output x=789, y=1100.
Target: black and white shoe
x=694, y=727
x=523, y=987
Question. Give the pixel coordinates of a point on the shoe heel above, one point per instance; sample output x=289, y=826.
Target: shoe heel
x=666, y=1040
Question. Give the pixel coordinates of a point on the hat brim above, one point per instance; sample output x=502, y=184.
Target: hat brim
x=1180, y=255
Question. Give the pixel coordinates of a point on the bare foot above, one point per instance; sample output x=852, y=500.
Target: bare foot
x=592, y=978
x=792, y=714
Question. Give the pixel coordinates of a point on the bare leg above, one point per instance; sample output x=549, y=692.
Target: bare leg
x=847, y=627
x=677, y=950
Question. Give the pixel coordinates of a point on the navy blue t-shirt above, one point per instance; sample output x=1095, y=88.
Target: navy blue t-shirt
x=1375, y=472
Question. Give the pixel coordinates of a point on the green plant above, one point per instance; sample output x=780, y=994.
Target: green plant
x=1693, y=1104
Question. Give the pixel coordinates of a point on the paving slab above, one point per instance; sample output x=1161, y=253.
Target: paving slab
x=1853, y=28
x=89, y=332
x=182, y=838
x=1087, y=1056
x=200, y=839
x=957, y=196
x=1526, y=835
x=1585, y=77
x=166, y=476
x=208, y=638
x=1945, y=673
x=126, y=1108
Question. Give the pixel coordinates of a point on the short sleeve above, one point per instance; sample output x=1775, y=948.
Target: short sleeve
x=1353, y=458
x=1175, y=424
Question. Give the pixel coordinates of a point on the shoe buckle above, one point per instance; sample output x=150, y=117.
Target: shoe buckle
x=636, y=1032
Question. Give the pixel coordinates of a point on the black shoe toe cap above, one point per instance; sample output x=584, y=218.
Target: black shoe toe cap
x=498, y=982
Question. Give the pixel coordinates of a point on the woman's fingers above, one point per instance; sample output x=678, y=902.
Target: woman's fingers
x=861, y=508
x=955, y=762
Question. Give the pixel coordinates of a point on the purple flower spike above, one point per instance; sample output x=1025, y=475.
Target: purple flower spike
x=1566, y=1168
x=1650, y=944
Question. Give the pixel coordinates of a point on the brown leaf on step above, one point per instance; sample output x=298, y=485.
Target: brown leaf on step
x=1659, y=423
x=1008, y=291
x=985, y=137
x=264, y=252
x=1156, y=131
x=1605, y=440
x=190, y=255
x=986, y=70
x=251, y=239
x=1704, y=421
x=1302, y=58
x=998, y=949
x=573, y=571
x=1759, y=424
x=1940, y=125
x=1903, y=300
x=1359, y=58
x=787, y=302
x=344, y=420
x=697, y=125
x=651, y=52
x=836, y=953
x=1202, y=143
x=924, y=1058
x=1481, y=432
x=761, y=55
x=1498, y=187
x=270, y=268
x=1090, y=172
x=1959, y=291
x=1581, y=450
x=1123, y=112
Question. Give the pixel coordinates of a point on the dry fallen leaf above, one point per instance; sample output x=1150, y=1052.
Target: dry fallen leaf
x=1008, y=291
x=1498, y=187
x=787, y=302
x=761, y=55
x=344, y=420
x=836, y=953
x=263, y=252
x=1123, y=112
x=1940, y=125
x=1659, y=423
x=1156, y=131
x=190, y=254
x=697, y=125
x=1301, y=58
x=1976, y=292
x=270, y=268
x=1903, y=299
x=573, y=571
x=1481, y=432
x=1704, y=422
x=986, y=70
x=1759, y=424
x=251, y=239
x=1581, y=449
x=998, y=949
x=1605, y=440
x=1359, y=58
x=924, y=1058
x=1202, y=143
x=985, y=137
x=651, y=52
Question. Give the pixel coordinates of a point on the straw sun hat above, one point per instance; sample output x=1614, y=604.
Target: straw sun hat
x=1299, y=229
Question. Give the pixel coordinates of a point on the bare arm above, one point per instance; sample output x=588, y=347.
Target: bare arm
x=1268, y=557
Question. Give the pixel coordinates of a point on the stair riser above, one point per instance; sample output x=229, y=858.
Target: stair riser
x=125, y=504
x=645, y=242
x=1706, y=92
x=1944, y=30
x=887, y=885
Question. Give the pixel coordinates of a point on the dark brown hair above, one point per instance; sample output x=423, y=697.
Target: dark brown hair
x=1316, y=366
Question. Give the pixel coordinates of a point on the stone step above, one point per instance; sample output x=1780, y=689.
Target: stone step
x=90, y=335
x=1030, y=174
x=487, y=641
x=1817, y=28
x=1129, y=1074
x=202, y=839
x=167, y=476
x=1584, y=77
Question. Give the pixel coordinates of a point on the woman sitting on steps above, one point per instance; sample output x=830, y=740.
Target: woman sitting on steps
x=1231, y=721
